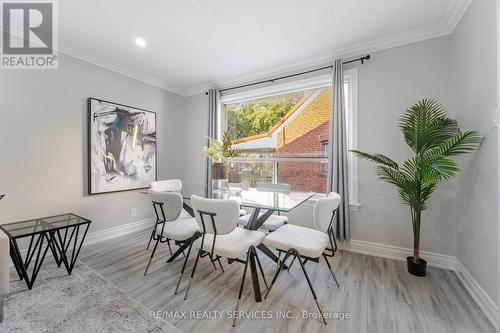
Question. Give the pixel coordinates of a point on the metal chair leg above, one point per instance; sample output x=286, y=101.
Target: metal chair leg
x=260, y=268
x=151, y=238
x=311, y=288
x=169, y=247
x=220, y=264
x=331, y=271
x=241, y=288
x=291, y=263
x=192, y=274
x=151, y=258
x=213, y=262
x=184, y=266
x=276, y=275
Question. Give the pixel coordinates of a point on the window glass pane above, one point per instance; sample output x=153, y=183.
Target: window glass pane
x=288, y=125
x=304, y=176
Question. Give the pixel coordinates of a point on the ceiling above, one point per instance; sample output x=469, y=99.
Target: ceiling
x=195, y=44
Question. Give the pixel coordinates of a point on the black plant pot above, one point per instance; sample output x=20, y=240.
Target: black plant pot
x=416, y=269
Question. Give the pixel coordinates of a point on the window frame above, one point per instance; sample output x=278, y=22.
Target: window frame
x=350, y=77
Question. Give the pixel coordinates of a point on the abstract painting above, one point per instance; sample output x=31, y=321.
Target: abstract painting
x=121, y=147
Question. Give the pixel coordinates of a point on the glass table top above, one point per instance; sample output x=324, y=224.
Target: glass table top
x=253, y=198
x=34, y=226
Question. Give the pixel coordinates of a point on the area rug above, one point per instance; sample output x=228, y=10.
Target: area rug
x=82, y=302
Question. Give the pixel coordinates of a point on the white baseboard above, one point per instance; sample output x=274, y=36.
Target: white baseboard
x=106, y=234
x=489, y=308
x=397, y=253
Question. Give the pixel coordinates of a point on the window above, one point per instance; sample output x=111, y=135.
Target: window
x=284, y=132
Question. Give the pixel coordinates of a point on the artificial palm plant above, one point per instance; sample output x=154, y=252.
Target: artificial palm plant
x=434, y=139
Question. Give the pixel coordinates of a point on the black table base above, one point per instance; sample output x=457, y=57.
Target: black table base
x=63, y=237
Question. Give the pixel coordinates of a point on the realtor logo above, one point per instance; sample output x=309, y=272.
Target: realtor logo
x=29, y=34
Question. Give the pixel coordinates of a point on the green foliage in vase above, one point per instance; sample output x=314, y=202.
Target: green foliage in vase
x=221, y=151
x=434, y=139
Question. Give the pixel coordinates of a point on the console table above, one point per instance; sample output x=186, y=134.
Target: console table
x=62, y=234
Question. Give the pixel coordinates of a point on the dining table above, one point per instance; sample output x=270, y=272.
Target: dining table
x=263, y=204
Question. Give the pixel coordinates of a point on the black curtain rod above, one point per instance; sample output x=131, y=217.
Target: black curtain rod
x=362, y=59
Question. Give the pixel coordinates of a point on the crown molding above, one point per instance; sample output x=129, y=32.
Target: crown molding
x=94, y=59
x=446, y=26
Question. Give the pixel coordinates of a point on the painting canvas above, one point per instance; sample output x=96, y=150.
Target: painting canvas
x=121, y=147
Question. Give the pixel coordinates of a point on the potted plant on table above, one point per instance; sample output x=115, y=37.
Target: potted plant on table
x=220, y=152
x=434, y=139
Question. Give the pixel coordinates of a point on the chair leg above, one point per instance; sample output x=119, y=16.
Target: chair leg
x=331, y=271
x=213, y=262
x=291, y=263
x=261, y=270
x=241, y=288
x=152, y=254
x=151, y=238
x=184, y=266
x=169, y=247
x=192, y=274
x=311, y=288
x=334, y=241
x=277, y=272
x=220, y=264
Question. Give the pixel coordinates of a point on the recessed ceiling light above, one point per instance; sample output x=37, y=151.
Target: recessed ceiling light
x=140, y=42
x=199, y=8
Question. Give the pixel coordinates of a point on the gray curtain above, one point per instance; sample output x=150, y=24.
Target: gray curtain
x=213, y=131
x=337, y=157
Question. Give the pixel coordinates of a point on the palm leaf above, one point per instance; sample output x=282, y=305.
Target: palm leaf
x=459, y=143
x=422, y=124
x=377, y=158
x=436, y=168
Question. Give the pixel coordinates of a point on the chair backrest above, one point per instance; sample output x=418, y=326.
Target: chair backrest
x=172, y=204
x=323, y=210
x=226, y=214
x=282, y=187
x=169, y=185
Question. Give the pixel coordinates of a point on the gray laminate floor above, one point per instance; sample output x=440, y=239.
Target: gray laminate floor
x=378, y=294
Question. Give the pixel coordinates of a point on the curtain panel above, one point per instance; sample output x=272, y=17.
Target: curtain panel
x=337, y=157
x=213, y=131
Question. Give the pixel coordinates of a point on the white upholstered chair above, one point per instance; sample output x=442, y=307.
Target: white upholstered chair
x=4, y=270
x=308, y=244
x=274, y=221
x=168, y=185
x=221, y=237
x=170, y=225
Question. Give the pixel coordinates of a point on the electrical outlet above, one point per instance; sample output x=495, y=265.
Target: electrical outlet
x=133, y=212
x=494, y=118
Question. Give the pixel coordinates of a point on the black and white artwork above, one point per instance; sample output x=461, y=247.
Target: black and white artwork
x=121, y=147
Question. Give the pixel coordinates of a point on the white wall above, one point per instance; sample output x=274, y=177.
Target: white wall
x=195, y=138
x=43, y=147
x=475, y=97
x=390, y=82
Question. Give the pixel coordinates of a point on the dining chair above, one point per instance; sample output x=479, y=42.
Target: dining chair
x=274, y=221
x=169, y=224
x=169, y=185
x=221, y=237
x=307, y=243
